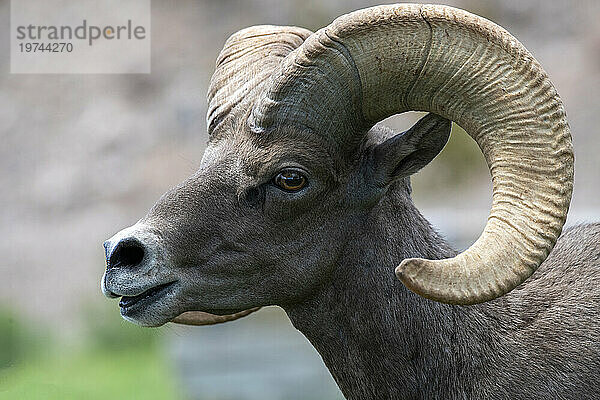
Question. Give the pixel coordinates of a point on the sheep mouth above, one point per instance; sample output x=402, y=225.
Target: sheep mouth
x=147, y=297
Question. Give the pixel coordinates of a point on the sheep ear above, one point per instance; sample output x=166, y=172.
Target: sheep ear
x=409, y=151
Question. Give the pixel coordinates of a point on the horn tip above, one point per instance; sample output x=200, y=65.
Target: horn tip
x=199, y=318
x=412, y=272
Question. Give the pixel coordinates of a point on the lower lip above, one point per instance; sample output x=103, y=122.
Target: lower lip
x=149, y=296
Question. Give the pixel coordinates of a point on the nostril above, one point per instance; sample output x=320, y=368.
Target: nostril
x=128, y=253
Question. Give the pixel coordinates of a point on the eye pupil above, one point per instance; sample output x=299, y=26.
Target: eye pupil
x=290, y=180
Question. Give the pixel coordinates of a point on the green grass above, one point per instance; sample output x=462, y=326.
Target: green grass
x=112, y=359
x=96, y=374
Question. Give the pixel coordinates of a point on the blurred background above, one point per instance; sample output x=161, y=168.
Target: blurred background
x=82, y=156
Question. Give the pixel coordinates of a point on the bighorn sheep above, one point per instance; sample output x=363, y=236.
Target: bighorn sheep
x=302, y=201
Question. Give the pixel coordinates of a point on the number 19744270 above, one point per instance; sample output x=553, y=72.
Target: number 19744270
x=37, y=47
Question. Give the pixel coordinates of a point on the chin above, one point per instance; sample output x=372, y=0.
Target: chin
x=146, y=321
x=151, y=311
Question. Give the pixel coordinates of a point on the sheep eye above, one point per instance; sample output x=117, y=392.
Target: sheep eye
x=290, y=180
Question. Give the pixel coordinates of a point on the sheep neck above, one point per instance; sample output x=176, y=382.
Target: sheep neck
x=378, y=339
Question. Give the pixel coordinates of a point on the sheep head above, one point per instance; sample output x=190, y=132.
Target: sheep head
x=295, y=161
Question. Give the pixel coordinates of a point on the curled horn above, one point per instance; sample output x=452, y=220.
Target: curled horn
x=385, y=60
